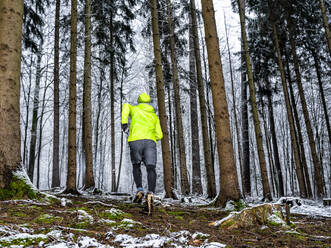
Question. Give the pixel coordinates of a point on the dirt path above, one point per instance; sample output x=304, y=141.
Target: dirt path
x=105, y=219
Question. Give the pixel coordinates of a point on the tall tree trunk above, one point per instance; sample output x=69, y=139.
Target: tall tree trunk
x=166, y=156
x=112, y=100
x=32, y=155
x=56, y=109
x=317, y=166
x=299, y=132
x=211, y=185
x=195, y=146
x=302, y=187
x=326, y=24
x=257, y=127
x=245, y=130
x=234, y=105
x=121, y=151
x=320, y=86
x=229, y=187
x=274, y=141
x=72, y=146
x=27, y=102
x=11, y=18
x=87, y=129
x=185, y=186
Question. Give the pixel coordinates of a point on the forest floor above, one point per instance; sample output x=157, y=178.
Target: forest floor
x=100, y=221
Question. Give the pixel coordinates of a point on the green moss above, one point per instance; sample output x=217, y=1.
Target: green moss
x=239, y=205
x=279, y=214
x=17, y=189
x=227, y=224
x=80, y=225
x=179, y=217
x=48, y=219
x=175, y=213
x=115, y=215
x=23, y=241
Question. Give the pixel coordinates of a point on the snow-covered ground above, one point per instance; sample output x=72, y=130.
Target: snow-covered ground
x=61, y=237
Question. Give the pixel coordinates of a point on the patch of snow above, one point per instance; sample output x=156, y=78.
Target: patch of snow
x=200, y=235
x=263, y=227
x=214, y=245
x=106, y=221
x=131, y=221
x=23, y=236
x=276, y=219
x=229, y=206
x=312, y=210
x=114, y=211
x=83, y=215
x=86, y=242
x=65, y=201
x=100, y=203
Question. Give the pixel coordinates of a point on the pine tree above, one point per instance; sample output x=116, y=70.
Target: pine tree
x=11, y=13
x=229, y=187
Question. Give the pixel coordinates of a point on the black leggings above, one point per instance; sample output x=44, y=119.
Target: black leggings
x=151, y=176
x=144, y=151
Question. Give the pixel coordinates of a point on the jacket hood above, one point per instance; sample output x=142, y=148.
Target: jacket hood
x=144, y=98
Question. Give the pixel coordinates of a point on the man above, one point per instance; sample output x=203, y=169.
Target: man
x=145, y=131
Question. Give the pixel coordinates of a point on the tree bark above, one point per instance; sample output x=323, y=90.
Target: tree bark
x=317, y=167
x=195, y=146
x=72, y=146
x=168, y=180
x=87, y=129
x=11, y=18
x=185, y=186
x=56, y=109
x=244, y=130
x=32, y=154
x=274, y=142
x=257, y=127
x=112, y=100
x=211, y=185
x=229, y=187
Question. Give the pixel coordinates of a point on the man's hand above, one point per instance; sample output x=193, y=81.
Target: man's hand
x=124, y=127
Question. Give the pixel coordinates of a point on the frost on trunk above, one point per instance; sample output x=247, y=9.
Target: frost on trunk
x=11, y=13
x=229, y=187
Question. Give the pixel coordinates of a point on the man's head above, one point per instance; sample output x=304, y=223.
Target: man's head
x=144, y=98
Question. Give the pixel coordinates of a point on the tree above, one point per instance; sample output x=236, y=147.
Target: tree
x=195, y=146
x=185, y=187
x=229, y=187
x=87, y=129
x=257, y=127
x=317, y=167
x=56, y=108
x=168, y=180
x=72, y=146
x=211, y=186
x=11, y=13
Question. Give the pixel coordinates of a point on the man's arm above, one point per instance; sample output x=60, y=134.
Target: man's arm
x=158, y=130
x=126, y=110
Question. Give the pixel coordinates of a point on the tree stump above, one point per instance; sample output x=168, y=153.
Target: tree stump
x=257, y=215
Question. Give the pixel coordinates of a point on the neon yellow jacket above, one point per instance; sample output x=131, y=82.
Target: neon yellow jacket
x=144, y=122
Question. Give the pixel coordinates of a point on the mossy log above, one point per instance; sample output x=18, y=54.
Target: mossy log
x=257, y=215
